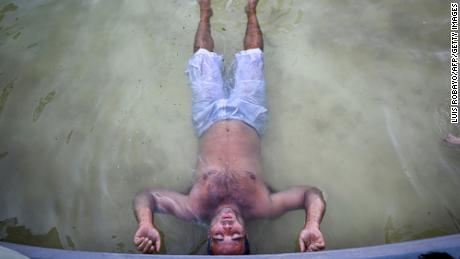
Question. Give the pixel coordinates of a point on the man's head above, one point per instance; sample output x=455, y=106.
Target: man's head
x=227, y=235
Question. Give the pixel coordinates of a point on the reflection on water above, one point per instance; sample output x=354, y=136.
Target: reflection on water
x=358, y=98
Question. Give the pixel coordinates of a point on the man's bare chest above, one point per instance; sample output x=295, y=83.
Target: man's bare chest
x=215, y=188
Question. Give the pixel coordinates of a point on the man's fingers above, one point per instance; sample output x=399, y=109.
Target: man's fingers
x=301, y=245
x=139, y=243
x=137, y=240
x=143, y=244
x=321, y=246
x=313, y=248
x=147, y=247
x=152, y=249
x=158, y=244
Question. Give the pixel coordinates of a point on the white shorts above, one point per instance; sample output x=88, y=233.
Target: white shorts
x=243, y=98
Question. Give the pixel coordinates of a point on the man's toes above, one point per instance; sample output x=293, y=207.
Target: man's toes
x=252, y=4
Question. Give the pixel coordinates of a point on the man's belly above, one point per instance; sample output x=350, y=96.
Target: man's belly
x=229, y=146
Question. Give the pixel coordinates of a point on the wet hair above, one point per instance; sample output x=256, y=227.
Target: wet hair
x=246, y=246
x=439, y=255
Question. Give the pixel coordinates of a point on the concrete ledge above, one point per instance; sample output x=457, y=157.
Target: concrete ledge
x=412, y=249
x=10, y=254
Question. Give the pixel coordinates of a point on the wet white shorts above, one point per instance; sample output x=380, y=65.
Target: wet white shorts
x=241, y=97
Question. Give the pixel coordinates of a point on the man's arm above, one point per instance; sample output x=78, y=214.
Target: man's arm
x=310, y=199
x=301, y=197
x=145, y=203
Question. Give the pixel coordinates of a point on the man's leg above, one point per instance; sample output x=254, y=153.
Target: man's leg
x=253, y=38
x=203, y=37
x=248, y=94
x=205, y=73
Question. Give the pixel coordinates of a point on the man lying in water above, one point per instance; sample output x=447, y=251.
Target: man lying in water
x=229, y=189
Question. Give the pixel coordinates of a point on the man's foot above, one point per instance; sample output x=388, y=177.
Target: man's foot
x=205, y=9
x=251, y=6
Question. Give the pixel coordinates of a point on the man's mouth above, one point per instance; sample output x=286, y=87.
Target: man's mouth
x=227, y=216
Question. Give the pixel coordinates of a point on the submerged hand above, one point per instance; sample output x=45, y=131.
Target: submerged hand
x=147, y=239
x=452, y=139
x=311, y=239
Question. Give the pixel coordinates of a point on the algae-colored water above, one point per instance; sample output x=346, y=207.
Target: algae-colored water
x=94, y=107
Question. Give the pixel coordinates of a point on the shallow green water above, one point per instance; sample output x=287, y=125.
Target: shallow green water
x=94, y=107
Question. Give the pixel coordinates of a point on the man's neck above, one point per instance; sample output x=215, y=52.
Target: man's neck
x=231, y=206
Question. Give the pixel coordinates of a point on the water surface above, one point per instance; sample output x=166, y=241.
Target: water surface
x=94, y=107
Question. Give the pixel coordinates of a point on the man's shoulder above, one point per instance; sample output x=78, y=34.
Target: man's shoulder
x=261, y=203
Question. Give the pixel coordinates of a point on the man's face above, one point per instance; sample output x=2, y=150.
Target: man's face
x=227, y=233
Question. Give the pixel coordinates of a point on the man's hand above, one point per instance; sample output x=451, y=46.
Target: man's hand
x=147, y=239
x=311, y=239
x=452, y=139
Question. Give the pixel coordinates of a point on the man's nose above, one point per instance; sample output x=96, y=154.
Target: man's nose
x=227, y=227
x=227, y=224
